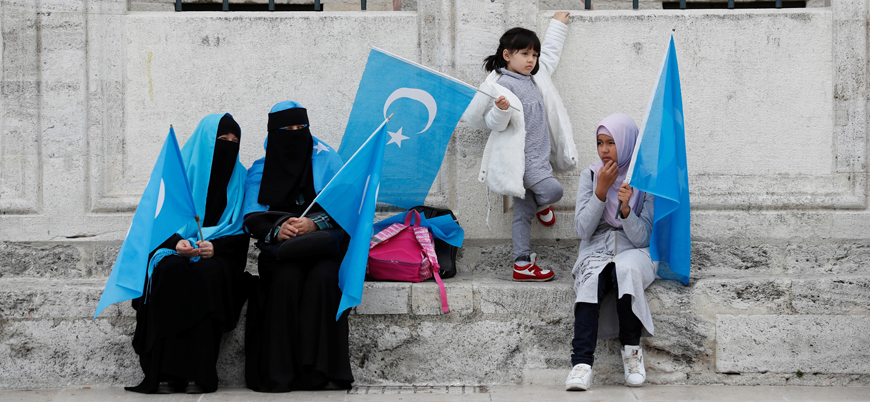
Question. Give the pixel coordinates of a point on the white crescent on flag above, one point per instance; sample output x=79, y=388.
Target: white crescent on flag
x=160, y=197
x=418, y=95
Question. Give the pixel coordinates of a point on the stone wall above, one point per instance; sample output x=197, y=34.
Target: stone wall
x=776, y=113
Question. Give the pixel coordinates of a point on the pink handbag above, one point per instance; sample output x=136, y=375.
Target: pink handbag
x=405, y=253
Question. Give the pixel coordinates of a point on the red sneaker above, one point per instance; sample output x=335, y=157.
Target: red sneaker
x=531, y=272
x=547, y=217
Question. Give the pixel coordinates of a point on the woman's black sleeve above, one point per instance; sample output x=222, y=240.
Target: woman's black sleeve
x=233, y=248
x=259, y=226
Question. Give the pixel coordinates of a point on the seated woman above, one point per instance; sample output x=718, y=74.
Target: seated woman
x=198, y=287
x=613, y=265
x=292, y=340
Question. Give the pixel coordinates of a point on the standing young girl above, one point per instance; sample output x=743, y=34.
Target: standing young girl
x=613, y=265
x=530, y=130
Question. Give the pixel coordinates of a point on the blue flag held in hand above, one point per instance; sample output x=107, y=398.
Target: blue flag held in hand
x=350, y=200
x=427, y=107
x=658, y=167
x=166, y=206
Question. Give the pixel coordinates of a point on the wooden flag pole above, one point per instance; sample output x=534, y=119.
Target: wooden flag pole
x=200, y=228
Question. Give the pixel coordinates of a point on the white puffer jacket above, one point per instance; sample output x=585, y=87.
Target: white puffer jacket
x=503, y=164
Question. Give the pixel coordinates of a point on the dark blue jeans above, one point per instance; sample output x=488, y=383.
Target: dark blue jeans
x=586, y=320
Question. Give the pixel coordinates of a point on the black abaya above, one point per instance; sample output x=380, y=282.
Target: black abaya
x=292, y=340
x=191, y=305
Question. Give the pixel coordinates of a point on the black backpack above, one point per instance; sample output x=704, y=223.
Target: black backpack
x=445, y=252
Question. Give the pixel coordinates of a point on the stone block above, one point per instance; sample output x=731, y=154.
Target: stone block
x=682, y=343
x=783, y=344
x=741, y=296
x=41, y=299
x=67, y=353
x=829, y=258
x=105, y=255
x=39, y=260
x=385, y=298
x=841, y=295
x=547, y=299
x=395, y=350
x=669, y=297
x=231, y=360
x=710, y=259
x=426, y=296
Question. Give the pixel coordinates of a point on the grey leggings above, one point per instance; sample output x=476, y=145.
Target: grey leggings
x=542, y=194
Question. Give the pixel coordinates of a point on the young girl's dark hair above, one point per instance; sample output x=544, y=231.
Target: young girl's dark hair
x=514, y=40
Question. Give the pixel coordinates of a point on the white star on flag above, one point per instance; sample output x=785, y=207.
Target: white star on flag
x=396, y=137
x=320, y=147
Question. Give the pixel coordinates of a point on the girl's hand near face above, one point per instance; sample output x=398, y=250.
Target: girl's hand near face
x=502, y=103
x=206, y=249
x=184, y=249
x=625, y=195
x=606, y=177
x=562, y=16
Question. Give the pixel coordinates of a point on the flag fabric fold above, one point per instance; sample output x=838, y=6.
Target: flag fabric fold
x=166, y=205
x=427, y=107
x=350, y=199
x=658, y=167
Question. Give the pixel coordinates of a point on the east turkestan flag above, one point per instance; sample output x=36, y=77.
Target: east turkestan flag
x=426, y=105
x=350, y=199
x=165, y=207
x=658, y=167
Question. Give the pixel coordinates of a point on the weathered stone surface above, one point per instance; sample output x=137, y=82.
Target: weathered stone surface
x=399, y=351
x=827, y=259
x=710, y=259
x=548, y=299
x=842, y=295
x=385, y=298
x=670, y=296
x=782, y=344
x=43, y=299
x=682, y=343
x=104, y=258
x=742, y=296
x=39, y=260
x=426, y=296
x=52, y=353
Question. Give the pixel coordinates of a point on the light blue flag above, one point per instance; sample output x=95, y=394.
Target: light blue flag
x=166, y=206
x=659, y=168
x=350, y=200
x=427, y=106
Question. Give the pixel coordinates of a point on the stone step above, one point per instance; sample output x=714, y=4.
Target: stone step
x=772, y=331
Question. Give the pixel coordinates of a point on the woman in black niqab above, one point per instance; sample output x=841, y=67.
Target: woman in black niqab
x=194, y=301
x=292, y=340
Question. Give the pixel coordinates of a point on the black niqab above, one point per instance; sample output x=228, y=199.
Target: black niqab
x=222, y=164
x=287, y=175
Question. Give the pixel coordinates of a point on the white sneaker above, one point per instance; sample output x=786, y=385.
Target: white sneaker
x=580, y=378
x=632, y=362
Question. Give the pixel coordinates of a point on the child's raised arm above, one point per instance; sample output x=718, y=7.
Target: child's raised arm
x=554, y=40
